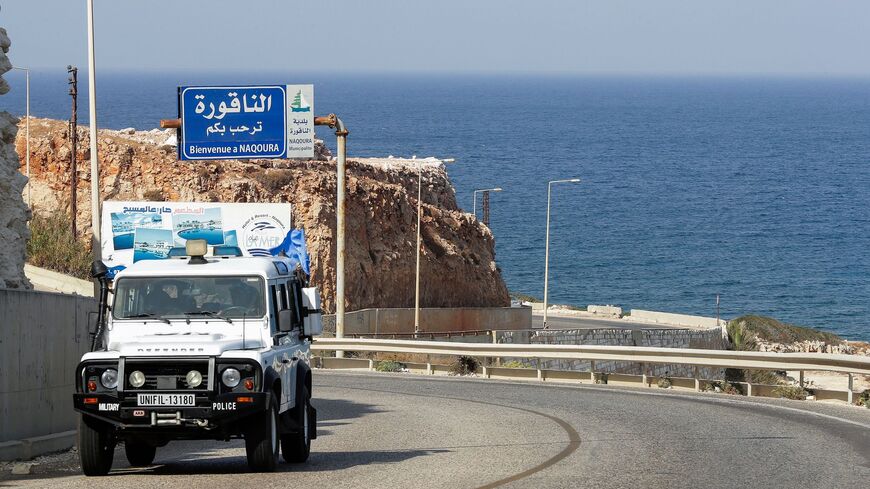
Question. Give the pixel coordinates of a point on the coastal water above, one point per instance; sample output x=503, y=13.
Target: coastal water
x=755, y=189
x=212, y=236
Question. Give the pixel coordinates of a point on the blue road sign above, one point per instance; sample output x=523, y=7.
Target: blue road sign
x=233, y=122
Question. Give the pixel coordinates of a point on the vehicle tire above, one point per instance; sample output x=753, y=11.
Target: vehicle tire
x=96, y=444
x=295, y=447
x=261, y=442
x=139, y=454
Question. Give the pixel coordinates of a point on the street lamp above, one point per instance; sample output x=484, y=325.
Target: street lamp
x=95, y=163
x=419, y=212
x=547, y=245
x=474, y=206
x=27, y=125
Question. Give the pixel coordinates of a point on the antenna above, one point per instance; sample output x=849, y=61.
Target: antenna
x=244, y=330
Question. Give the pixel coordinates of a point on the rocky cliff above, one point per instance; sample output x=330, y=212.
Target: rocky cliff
x=458, y=265
x=14, y=214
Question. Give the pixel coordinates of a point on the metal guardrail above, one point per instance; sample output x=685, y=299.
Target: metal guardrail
x=851, y=364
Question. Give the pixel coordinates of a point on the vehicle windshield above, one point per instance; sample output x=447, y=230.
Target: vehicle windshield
x=189, y=297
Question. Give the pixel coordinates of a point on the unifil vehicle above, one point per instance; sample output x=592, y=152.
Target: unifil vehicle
x=197, y=347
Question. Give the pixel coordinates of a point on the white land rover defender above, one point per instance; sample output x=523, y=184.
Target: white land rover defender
x=199, y=347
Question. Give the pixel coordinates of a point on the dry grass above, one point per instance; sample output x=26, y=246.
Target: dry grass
x=52, y=246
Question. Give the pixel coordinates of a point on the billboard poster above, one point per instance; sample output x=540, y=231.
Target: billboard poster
x=135, y=231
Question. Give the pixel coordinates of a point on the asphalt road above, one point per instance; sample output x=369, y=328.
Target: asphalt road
x=400, y=430
x=567, y=322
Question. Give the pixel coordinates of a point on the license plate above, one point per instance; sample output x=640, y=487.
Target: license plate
x=166, y=400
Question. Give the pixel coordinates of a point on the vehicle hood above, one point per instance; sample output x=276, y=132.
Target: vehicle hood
x=181, y=344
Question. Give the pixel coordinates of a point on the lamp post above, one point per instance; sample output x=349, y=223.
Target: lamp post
x=95, y=162
x=419, y=212
x=474, y=206
x=547, y=245
x=26, y=125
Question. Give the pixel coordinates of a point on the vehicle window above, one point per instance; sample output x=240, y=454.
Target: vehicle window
x=232, y=297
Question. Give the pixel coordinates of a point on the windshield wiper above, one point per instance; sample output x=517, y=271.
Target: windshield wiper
x=210, y=314
x=149, y=316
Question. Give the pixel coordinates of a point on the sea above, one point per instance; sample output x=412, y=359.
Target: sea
x=755, y=190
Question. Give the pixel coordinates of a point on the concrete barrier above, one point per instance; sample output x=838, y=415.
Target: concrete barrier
x=454, y=319
x=669, y=318
x=42, y=338
x=49, y=281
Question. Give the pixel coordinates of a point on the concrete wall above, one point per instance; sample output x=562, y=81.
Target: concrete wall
x=42, y=337
x=710, y=339
x=401, y=320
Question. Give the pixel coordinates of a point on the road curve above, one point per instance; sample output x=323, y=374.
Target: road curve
x=399, y=430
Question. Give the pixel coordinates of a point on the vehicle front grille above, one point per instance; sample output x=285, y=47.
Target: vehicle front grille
x=163, y=375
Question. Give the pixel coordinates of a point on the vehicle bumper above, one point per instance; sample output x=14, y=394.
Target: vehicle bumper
x=212, y=410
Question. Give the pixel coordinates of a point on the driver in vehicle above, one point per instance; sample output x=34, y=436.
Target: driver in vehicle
x=244, y=299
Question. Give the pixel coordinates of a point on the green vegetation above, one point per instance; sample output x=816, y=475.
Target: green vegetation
x=664, y=382
x=723, y=386
x=745, y=331
x=864, y=399
x=515, y=364
x=791, y=392
x=154, y=195
x=464, y=365
x=523, y=297
x=389, y=366
x=769, y=329
x=274, y=180
x=52, y=246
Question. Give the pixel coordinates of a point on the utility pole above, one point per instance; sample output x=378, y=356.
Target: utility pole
x=73, y=141
x=486, y=209
x=95, y=162
x=485, y=192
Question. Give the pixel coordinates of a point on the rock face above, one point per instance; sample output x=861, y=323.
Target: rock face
x=14, y=214
x=458, y=259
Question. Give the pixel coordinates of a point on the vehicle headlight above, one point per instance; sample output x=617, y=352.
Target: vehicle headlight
x=231, y=377
x=137, y=379
x=194, y=379
x=109, y=379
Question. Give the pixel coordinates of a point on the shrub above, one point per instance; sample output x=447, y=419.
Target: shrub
x=790, y=392
x=864, y=399
x=725, y=387
x=52, y=246
x=664, y=382
x=154, y=195
x=389, y=366
x=516, y=364
x=769, y=329
x=600, y=378
x=274, y=180
x=464, y=365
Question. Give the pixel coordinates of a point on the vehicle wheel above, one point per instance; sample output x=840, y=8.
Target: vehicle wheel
x=139, y=454
x=295, y=447
x=96, y=446
x=261, y=442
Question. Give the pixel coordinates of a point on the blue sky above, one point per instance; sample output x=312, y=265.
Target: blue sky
x=776, y=37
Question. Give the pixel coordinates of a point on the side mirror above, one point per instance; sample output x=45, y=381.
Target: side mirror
x=286, y=320
x=98, y=269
